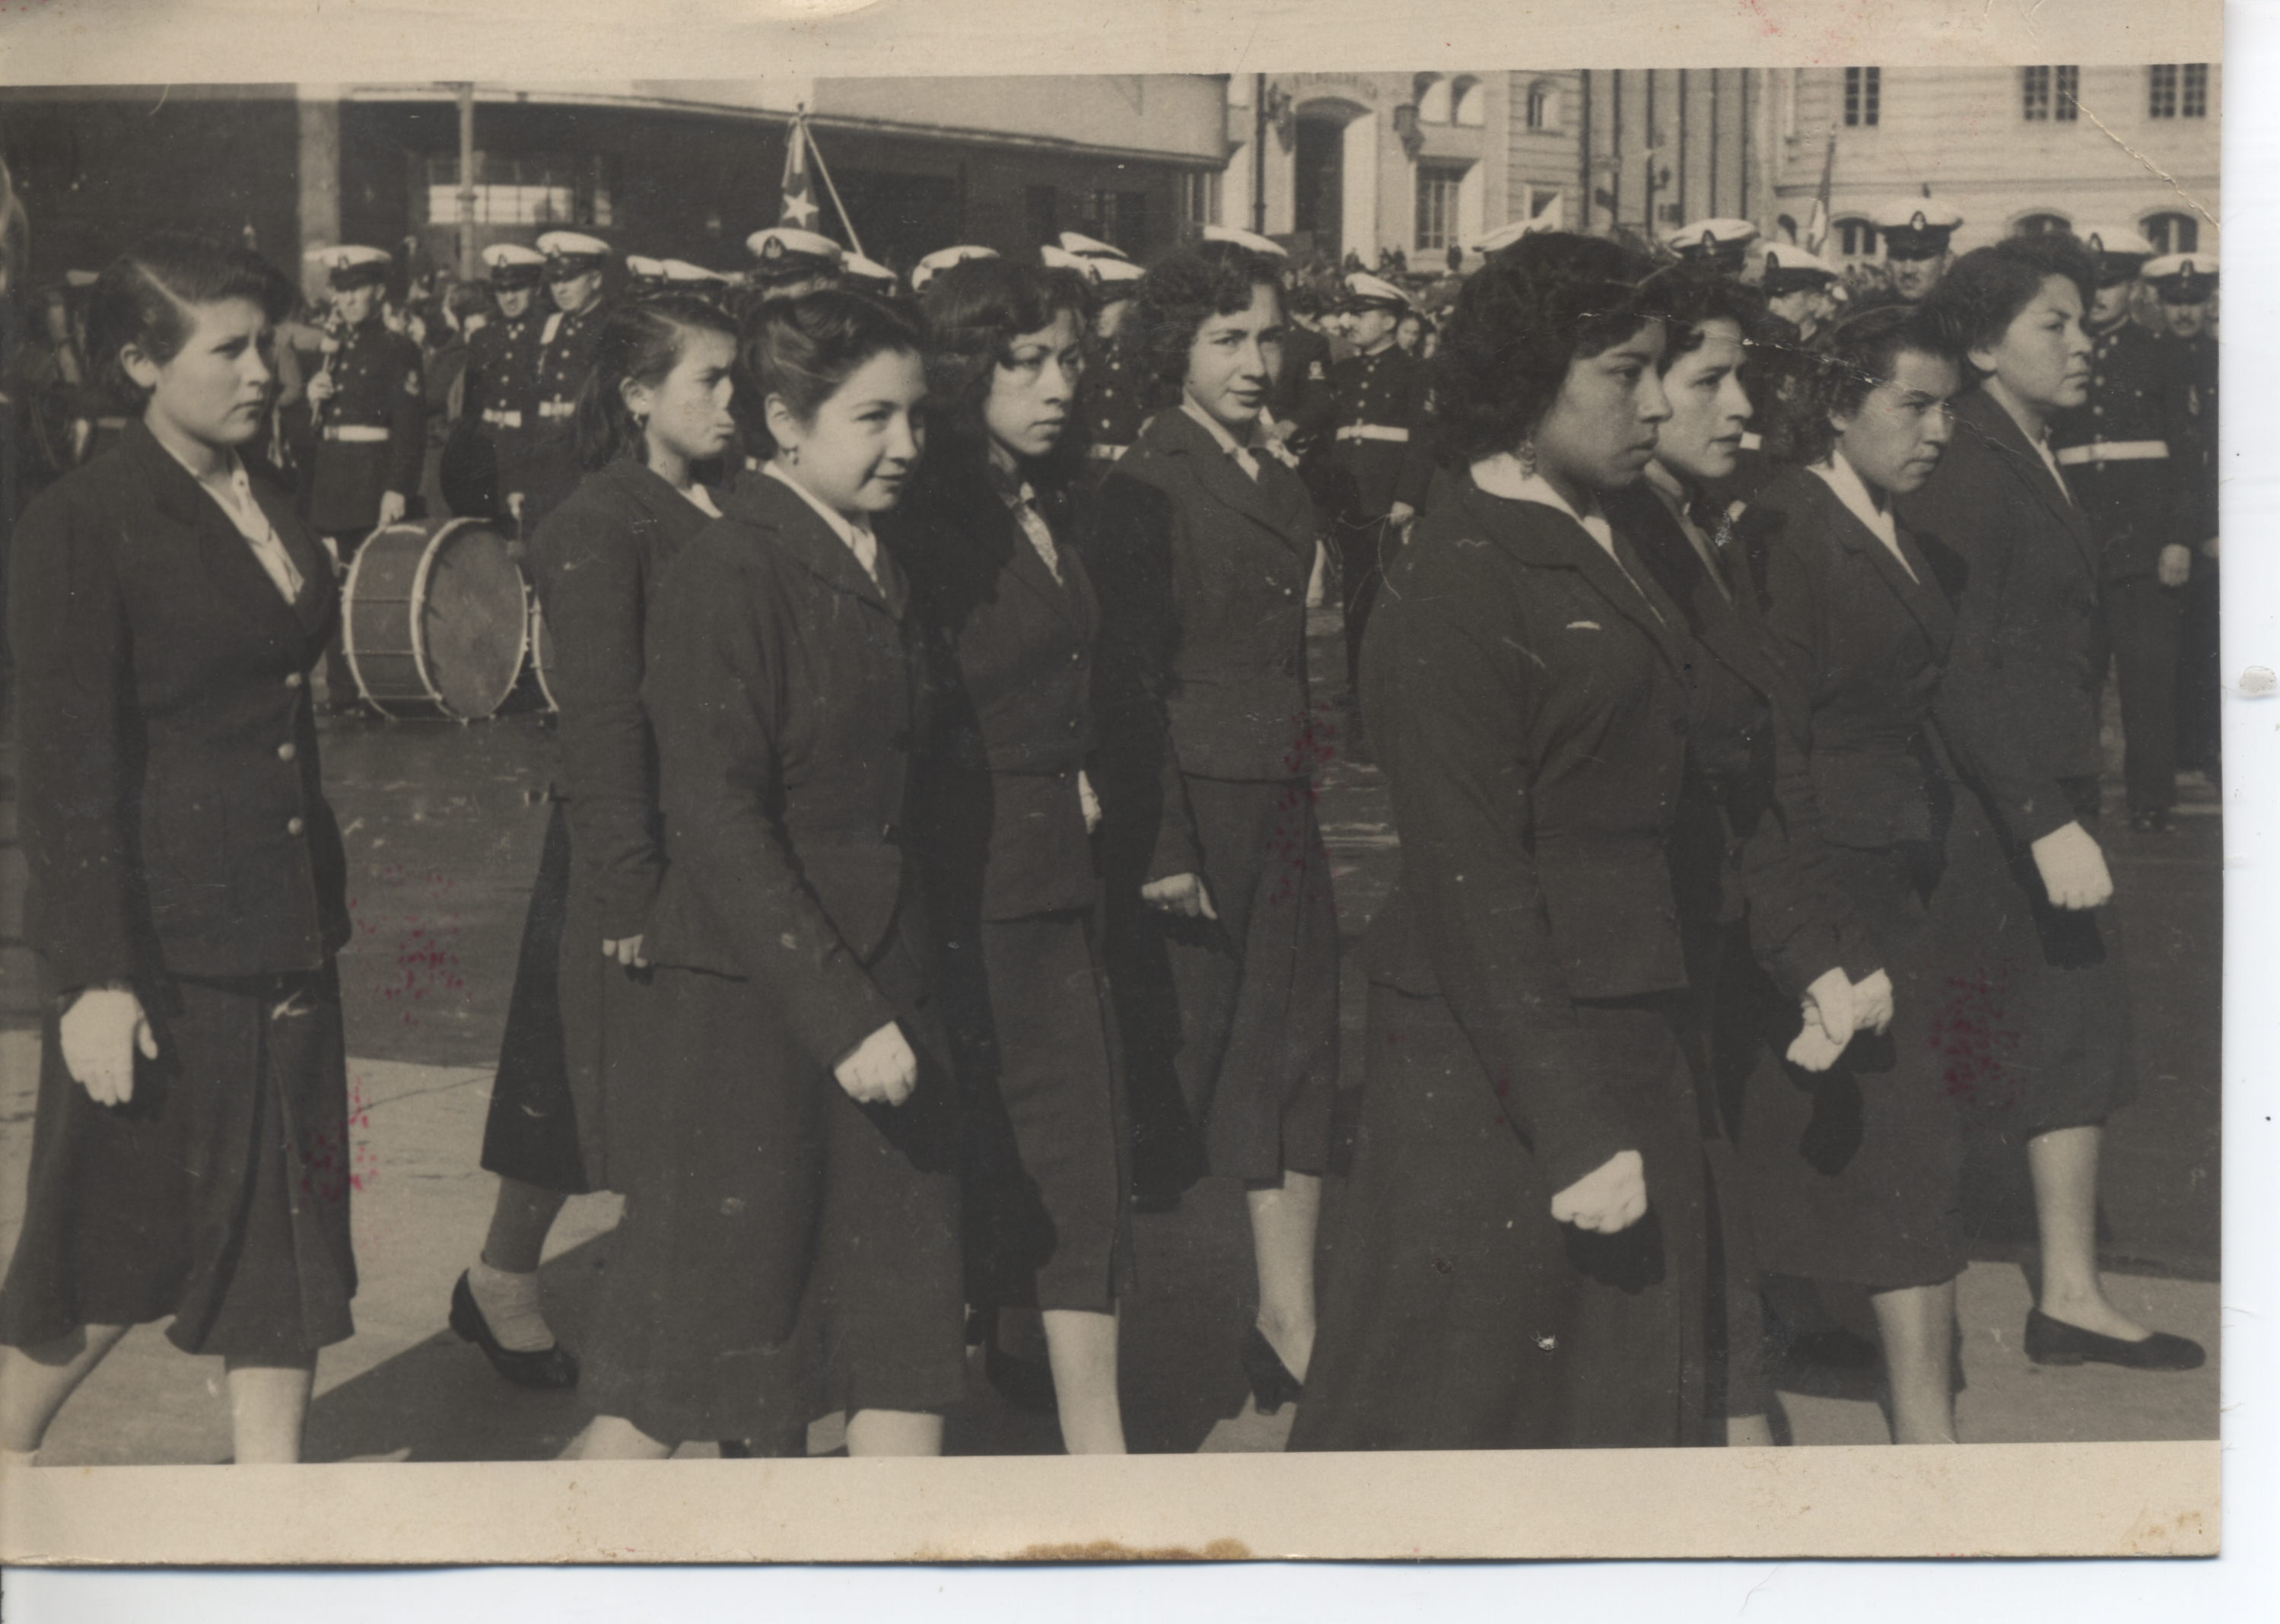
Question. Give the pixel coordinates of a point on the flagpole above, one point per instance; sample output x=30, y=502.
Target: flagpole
x=824, y=170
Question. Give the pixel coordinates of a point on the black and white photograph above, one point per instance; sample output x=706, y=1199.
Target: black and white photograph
x=1425, y=781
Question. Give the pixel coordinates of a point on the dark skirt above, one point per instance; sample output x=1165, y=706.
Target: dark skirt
x=1026, y=1009
x=1855, y=1174
x=219, y=1194
x=2035, y=1023
x=785, y=1253
x=579, y=1034
x=1248, y=1022
x=1457, y=1315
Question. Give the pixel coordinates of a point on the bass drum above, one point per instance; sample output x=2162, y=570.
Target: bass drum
x=542, y=655
x=433, y=620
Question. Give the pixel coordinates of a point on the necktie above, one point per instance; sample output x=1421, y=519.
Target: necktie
x=254, y=526
x=1040, y=534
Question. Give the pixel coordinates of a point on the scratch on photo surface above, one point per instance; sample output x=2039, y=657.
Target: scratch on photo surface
x=2151, y=167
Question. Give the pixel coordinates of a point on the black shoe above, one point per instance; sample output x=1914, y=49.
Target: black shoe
x=549, y=1367
x=2150, y=823
x=2054, y=1341
x=1272, y=1384
x=1026, y=1384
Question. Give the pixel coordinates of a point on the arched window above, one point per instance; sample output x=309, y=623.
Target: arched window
x=1543, y=105
x=1432, y=99
x=2040, y=224
x=1472, y=100
x=1856, y=238
x=2172, y=233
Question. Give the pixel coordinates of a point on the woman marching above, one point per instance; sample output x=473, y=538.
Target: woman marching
x=790, y=1241
x=2021, y=911
x=1012, y=893
x=574, y=1060
x=1201, y=543
x=1856, y=1170
x=1521, y=1259
x=191, y=1155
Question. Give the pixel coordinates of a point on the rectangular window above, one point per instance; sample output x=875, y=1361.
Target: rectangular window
x=2161, y=90
x=1863, y=97
x=1199, y=197
x=1436, y=206
x=2050, y=93
x=2066, y=94
x=2195, y=95
x=1121, y=221
x=523, y=189
x=2035, y=93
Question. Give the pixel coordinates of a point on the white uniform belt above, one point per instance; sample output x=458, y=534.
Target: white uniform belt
x=498, y=418
x=357, y=434
x=1373, y=431
x=557, y=408
x=2114, y=450
x=1107, y=453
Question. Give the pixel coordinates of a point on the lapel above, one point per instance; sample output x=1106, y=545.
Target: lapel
x=676, y=516
x=1547, y=538
x=1715, y=620
x=998, y=532
x=1922, y=597
x=1981, y=415
x=225, y=554
x=1181, y=438
x=770, y=504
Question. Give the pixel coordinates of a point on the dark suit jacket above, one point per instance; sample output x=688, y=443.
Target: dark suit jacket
x=172, y=817
x=1748, y=840
x=1530, y=708
x=2017, y=558
x=1868, y=646
x=785, y=687
x=1202, y=575
x=600, y=560
x=1001, y=820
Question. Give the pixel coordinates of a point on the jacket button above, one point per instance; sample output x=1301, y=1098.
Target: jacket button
x=294, y=826
x=292, y=679
x=286, y=753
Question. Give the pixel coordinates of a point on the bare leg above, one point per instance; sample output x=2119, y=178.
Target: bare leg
x=1083, y=1346
x=268, y=1407
x=612, y=1437
x=1750, y=1431
x=1917, y=1324
x=2063, y=1164
x=34, y=1382
x=520, y=1221
x=1283, y=1224
x=893, y=1432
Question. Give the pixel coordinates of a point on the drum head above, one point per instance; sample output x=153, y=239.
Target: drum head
x=472, y=624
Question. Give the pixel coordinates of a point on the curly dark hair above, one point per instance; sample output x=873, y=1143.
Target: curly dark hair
x=1686, y=298
x=1181, y=291
x=642, y=342
x=1551, y=299
x=1983, y=292
x=803, y=349
x=974, y=311
x=148, y=297
x=1857, y=355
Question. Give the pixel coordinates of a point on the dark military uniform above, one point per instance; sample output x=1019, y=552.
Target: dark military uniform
x=2118, y=453
x=1302, y=392
x=540, y=459
x=2194, y=376
x=1113, y=402
x=1380, y=456
x=496, y=399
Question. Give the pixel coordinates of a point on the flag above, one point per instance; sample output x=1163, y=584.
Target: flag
x=798, y=185
x=1816, y=227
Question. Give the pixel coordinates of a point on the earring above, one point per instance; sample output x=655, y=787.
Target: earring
x=641, y=419
x=790, y=454
x=1527, y=456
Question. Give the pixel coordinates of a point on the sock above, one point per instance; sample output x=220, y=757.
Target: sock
x=509, y=1307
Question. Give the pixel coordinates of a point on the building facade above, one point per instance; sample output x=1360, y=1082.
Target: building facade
x=2056, y=145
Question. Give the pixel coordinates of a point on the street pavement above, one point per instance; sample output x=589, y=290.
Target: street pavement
x=444, y=825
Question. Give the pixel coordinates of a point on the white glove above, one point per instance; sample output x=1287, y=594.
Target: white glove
x=1872, y=1003
x=102, y=1030
x=2073, y=869
x=880, y=1070
x=1829, y=1023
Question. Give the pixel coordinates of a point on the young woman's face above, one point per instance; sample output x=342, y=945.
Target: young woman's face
x=856, y=454
x=1901, y=430
x=1708, y=406
x=219, y=384
x=2044, y=355
x=1409, y=333
x=687, y=414
x=1601, y=432
x=1034, y=389
x=1234, y=360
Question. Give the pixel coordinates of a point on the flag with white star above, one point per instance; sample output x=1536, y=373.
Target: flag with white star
x=798, y=185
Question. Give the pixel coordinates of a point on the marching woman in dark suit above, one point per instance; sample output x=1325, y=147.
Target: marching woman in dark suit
x=574, y=1060
x=1007, y=810
x=2028, y=882
x=1857, y=1169
x=190, y=1156
x=1520, y=1262
x=791, y=1241
x=1201, y=543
